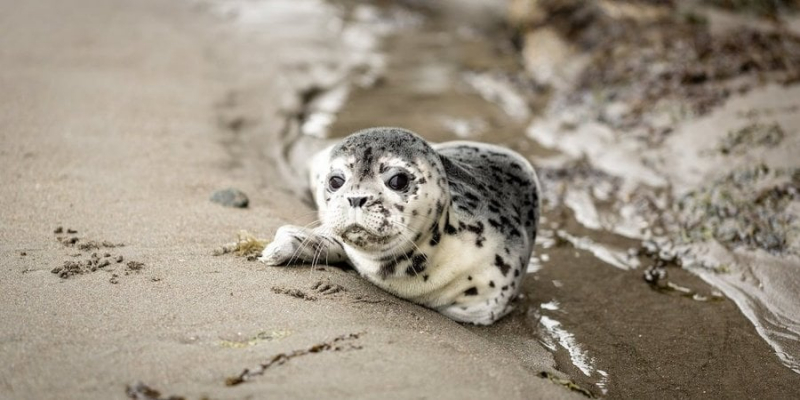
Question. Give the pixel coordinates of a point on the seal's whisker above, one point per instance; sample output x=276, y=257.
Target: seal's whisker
x=303, y=243
x=296, y=255
x=321, y=234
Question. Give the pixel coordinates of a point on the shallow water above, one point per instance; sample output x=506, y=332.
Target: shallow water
x=616, y=335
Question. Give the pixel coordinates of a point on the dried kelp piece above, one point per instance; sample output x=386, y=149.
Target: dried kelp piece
x=338, y=344
x=246, y=245
x=567, y=383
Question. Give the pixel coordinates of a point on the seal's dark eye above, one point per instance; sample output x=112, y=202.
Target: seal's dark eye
x=335, y=182
x=398, y=182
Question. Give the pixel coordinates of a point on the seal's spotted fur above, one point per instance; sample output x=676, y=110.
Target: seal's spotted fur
x=456, y=237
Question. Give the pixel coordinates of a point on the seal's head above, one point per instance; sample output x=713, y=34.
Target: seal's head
x=383, y=190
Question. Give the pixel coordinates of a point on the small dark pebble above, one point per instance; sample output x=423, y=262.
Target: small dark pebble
x=654, y=275
x=23, y=253
x=107, y=255
x=71, y=231
x=230, y=198
x=59, y=230
x=119, y=259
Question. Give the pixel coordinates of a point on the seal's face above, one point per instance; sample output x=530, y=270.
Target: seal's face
x=381, y=191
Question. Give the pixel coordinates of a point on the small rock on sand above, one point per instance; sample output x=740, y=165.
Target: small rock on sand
x=230, y=198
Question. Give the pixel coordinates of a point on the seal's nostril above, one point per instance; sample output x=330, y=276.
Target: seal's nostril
x=357, y=201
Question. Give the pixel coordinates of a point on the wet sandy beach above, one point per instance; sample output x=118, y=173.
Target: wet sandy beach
x=116, y=127
x=118, y=121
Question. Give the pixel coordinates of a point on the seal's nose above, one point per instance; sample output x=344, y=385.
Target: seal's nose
x=357, y=202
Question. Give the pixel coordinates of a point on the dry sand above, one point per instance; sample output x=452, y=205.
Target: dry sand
x=110, y=125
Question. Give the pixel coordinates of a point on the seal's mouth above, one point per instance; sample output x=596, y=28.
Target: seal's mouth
x=360, y=236
x=354, y=229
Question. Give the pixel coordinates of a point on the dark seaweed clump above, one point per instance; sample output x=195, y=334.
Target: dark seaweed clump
x=746, y=208
x=660, y=54
x=766, y=8
x=683, y=62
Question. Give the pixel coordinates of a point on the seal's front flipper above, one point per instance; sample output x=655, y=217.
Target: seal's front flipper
x=296, y=245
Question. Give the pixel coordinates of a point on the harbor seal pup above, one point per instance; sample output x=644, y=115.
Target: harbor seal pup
x=449, y=226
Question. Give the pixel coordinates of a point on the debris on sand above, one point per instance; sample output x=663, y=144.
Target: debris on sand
x=749, y=207
x=230, y=198
x=337, y=344
x=140, y=391
x=60, y=229
x=134, y=266
x=294, y=293
x=246, y=245
x=68, y=241
x=567, y=383
x=656, y=278
x=71, y=268
x=88, y=245
x=94, y=245
x=260, y=337
x=756, y=134
x=94, y=261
